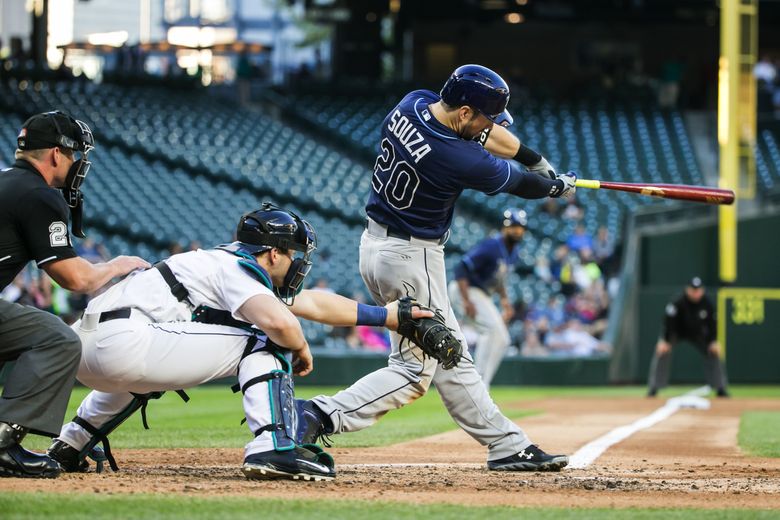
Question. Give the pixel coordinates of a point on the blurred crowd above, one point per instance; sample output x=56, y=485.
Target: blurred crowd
x=768, y=85
x=569, y=323
x=32, y=286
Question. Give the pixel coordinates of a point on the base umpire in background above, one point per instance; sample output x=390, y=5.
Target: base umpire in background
x=691, y=317
x=36, y=196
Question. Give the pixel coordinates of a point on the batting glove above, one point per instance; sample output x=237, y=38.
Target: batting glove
x=543, y=168
x=568, y=187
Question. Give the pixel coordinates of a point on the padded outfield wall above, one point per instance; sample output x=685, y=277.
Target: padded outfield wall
x=667, y=256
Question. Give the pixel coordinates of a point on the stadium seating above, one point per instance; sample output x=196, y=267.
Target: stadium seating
x=177, y=166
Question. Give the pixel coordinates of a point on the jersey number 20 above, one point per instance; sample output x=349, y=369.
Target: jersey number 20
x=396, y=180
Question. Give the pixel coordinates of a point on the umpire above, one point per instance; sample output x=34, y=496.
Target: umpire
x=35, y=195
x=689, y=318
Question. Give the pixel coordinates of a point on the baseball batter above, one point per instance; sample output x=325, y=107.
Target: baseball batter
x=197, y=317
x=481, y=272
x=433, y=147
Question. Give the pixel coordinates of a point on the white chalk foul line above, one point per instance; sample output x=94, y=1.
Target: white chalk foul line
x=469, y=465
x=593, y=450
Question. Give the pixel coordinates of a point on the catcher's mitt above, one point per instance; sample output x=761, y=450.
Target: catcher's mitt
x=430, y=334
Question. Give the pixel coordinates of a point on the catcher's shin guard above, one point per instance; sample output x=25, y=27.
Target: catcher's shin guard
x=283, y=417
x=73, y=460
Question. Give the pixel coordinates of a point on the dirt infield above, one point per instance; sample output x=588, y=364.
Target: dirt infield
x=688, y=460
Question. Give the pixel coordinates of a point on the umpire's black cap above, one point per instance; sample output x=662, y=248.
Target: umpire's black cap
x=695, y=282
x=51, y=129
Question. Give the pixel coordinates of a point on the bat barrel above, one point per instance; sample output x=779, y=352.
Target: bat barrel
x=669, y=191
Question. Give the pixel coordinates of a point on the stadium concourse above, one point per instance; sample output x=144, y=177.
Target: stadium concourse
x=174, y=166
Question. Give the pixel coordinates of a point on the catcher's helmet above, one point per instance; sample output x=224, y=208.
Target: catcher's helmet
x=481, y=89
x=515, y=217
x=271, y=226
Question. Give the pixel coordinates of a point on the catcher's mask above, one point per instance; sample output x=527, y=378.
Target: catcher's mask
x=273, y=227
x=58, y=129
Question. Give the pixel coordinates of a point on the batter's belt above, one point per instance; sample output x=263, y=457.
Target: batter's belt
x=382, y=231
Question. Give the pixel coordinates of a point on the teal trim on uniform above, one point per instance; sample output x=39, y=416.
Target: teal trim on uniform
x=278, y=355
x=271, y=401
x=251, y=265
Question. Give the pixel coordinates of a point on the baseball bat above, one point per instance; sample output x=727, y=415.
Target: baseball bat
x=665, y=191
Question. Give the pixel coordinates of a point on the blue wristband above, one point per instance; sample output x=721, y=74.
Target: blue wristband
x=371, y=315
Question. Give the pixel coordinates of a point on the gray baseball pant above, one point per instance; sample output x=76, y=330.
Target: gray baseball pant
x=390, y=267
x=493, y=335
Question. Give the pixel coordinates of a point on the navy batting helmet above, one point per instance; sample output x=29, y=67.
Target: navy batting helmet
x=515, y=217
x=480, y=88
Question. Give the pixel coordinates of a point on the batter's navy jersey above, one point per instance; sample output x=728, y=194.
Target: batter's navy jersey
x=486, y=264
x=33, y=221
x=423, y=167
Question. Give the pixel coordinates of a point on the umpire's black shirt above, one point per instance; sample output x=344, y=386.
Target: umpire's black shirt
x=691, y=321
x=33, y=221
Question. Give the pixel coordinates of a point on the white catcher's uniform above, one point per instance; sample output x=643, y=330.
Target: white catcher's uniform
x=385, y=264
x=159, y=348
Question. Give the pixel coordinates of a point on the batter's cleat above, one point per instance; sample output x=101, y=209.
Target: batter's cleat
x=313, y=425
x=652, y=392
x=531, y=458
x=302, y=463
x=722, y=392
x=15, y=461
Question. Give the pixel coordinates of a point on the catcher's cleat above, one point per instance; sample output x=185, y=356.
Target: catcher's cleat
x=313, y=425
x=71, y=459
x=15, y=461
x=531, y=458
x=302, y=463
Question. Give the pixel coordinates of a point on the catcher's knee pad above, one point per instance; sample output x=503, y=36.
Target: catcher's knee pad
x=281, y=401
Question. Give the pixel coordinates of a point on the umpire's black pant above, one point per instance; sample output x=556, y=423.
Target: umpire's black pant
x=714, y=370
x=47, y=354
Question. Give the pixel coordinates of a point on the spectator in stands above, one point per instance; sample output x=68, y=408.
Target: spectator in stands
x=532, y=345
x=559, y=259
x=573, y=210
x=174, y=248
x=552, y=207
x=765, y=72
x=572, y=340
x=16, y=291
x=602, y=246
x=542, y=269
x=580, y=239
x=91, y=251
x=585, y=271
x=322, y=285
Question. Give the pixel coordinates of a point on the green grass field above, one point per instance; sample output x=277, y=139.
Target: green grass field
x=90, y=507
x=759, y=433
x=212, y=419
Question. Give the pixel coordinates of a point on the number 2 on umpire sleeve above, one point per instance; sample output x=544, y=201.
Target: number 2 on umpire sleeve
x=58, y=234
x=396, y=180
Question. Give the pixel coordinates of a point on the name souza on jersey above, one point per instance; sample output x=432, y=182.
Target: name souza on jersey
x=408, y=136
